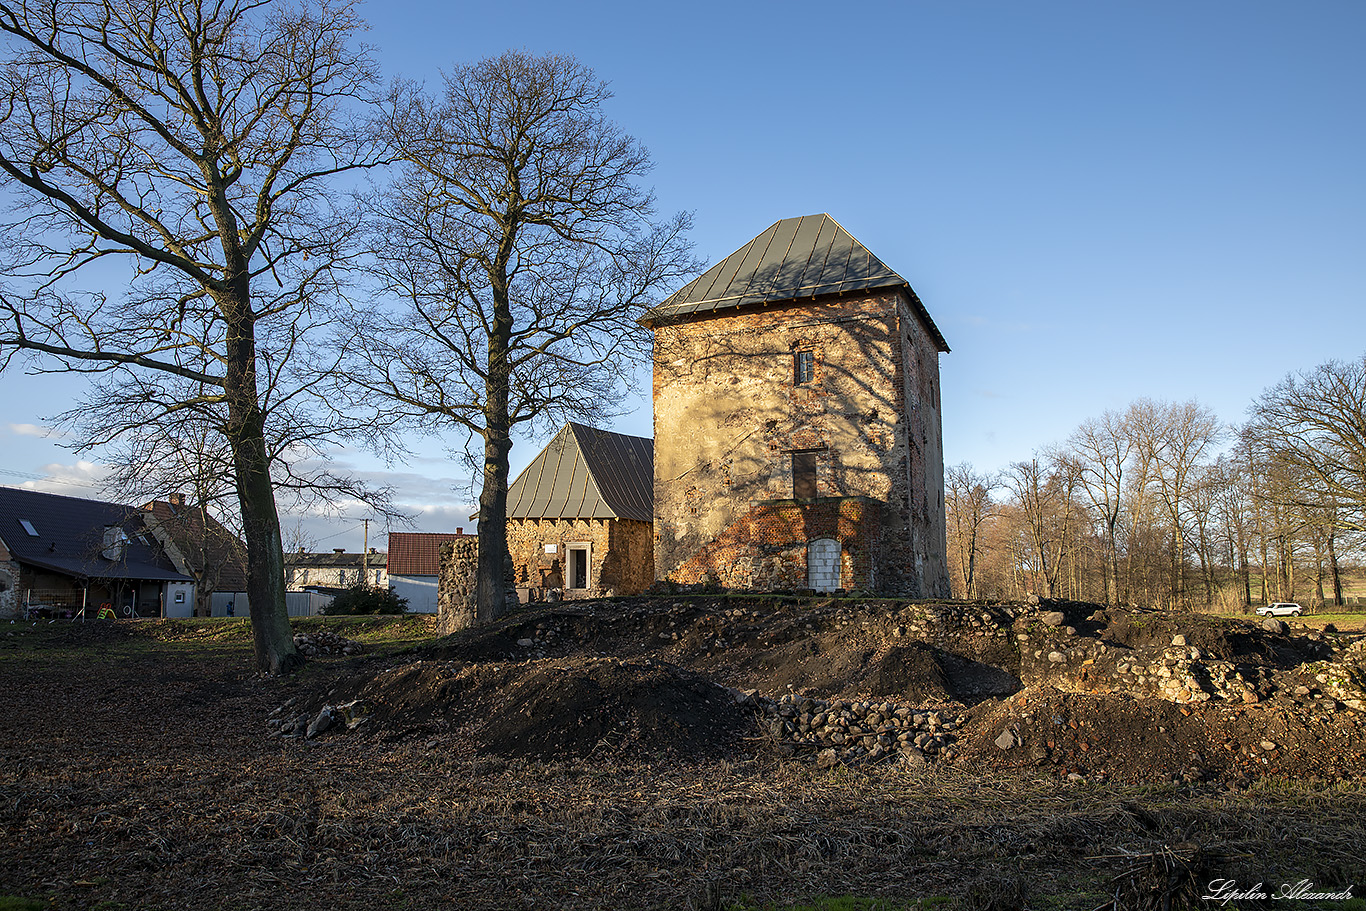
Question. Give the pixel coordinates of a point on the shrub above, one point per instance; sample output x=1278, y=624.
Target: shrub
x=366, y=599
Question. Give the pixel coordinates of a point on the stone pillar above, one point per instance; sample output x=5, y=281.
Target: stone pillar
x=455, y=585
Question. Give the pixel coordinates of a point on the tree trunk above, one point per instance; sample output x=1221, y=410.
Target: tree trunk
x=491, y=582
x=969, y=582
x=272, y=636
x=1112, y=567
x=1333, y=568
x=491, y=591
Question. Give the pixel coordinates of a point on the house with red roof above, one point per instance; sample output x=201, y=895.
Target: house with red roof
x=414, y=566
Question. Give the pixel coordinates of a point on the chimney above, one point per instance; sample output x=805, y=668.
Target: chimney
x=459, y=530
x=177, y=499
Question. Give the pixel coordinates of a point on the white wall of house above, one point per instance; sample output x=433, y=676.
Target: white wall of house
x=178, y=599
x=419, y=590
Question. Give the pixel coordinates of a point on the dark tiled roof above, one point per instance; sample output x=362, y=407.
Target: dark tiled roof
x=333, y=559
x=213, y=552
x=418, y=553
x=70, y=533
x=795, y=258
x=586, y=473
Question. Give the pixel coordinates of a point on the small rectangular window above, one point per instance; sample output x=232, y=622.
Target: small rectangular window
x=28, y=527
x=804, y=367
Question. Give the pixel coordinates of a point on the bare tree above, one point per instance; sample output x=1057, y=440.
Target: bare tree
x=193, y=141
x=1101, y=447
x=1046, y=495
x=1315, y=422
x=523, y=249
x=1173, y=439
x=968, y=506
x=1233, y=508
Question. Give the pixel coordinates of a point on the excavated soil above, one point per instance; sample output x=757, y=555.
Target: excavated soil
x=609, y=755
x=553, y=709
x=1067, y=689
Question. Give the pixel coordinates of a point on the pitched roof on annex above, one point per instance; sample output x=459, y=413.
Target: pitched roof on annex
x=586, y=473
x=795, y=258
x=418, y=553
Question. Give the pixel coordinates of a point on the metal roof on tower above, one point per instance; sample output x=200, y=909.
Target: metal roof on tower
x=795, y=258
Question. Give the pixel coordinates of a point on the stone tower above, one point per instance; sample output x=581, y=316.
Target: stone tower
x=796, y=421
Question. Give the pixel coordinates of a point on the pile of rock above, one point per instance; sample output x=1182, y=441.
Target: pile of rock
x=288, y=721
x=850, y=731
x=326, y=644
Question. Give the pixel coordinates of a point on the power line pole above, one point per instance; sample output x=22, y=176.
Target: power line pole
x=365, y=555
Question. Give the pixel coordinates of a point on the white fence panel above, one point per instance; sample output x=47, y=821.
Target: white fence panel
x=300, y=604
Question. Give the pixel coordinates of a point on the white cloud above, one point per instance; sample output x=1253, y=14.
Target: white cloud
x=34, y=430
x=79, y=480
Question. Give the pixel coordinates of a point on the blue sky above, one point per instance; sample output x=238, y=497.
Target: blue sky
x=1096, y=201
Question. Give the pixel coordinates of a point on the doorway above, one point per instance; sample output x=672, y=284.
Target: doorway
x=823, y=565
x=577, y=555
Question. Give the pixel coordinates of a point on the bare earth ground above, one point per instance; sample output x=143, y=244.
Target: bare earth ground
x=594, y=756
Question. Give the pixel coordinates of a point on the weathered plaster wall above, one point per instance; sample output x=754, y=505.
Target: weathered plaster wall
x=766, y=548
x=299, y=576
x=728, y=416
x=621, y=554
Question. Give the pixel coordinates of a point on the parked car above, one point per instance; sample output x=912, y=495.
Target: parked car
x=1281, y=609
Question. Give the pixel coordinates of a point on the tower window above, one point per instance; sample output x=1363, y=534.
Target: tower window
x=803, y=367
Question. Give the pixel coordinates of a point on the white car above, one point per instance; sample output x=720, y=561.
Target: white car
x=1281, y=609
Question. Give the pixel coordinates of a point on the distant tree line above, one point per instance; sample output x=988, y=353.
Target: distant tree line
x=1161, y=505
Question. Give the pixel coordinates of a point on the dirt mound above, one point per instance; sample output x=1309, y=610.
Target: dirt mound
x=1146, y=739
x=625, y=708
x=545, y=709
x=1062, y=687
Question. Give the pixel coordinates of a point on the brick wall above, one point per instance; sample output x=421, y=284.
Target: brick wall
x=767, y=547
x=728, y=416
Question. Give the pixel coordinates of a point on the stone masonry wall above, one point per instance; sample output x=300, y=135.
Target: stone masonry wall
x=621, y=554
x=918, y=485
x=10, y=599
x=766, y=548
x=728, y=416
x=455, y=604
